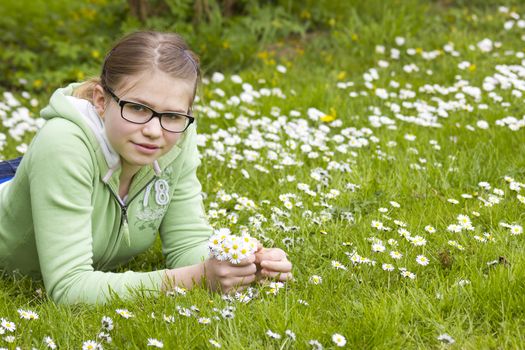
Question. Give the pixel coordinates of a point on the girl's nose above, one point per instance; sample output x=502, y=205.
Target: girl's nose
x=152, y=128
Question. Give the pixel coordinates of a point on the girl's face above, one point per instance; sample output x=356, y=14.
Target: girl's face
x=141, y=144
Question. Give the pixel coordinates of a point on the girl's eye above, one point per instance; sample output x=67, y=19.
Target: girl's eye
x=173, y=116
x=137, y=108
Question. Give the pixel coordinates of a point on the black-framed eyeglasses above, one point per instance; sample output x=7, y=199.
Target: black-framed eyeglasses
x=137, y=113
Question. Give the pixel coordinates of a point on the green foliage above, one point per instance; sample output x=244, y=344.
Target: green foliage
x=49, y=43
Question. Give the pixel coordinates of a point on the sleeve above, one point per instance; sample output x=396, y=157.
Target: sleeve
x=185, y=230
x=61, y=180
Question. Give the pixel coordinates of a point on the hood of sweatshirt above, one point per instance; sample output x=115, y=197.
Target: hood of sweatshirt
x=82, y=112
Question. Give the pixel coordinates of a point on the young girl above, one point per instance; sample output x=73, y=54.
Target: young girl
x=114, y=165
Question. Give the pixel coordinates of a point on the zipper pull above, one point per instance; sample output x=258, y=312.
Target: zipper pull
x=125, y=227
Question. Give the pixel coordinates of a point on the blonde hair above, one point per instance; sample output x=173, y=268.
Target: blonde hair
x=139, y=52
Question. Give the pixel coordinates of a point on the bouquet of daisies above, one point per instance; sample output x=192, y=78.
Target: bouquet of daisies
x=227, y=247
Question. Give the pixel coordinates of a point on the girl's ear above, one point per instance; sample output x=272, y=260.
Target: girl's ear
x=99, y=100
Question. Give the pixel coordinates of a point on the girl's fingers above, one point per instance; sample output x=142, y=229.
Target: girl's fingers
x=281, y=276
x=278, y=266
x=247, y=261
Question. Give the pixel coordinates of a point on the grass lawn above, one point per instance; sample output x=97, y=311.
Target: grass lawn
x=385, y=156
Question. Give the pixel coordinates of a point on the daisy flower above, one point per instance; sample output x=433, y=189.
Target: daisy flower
x=337, y=265
x=50, y=343
x=204, y=320
x=8, y=325
x=27, y=314
x=445, y=338
x=422, y=260
x=107, y=323
x=418, y=241
x=430, y=229
x=377, y=225
x=315, y=344
x=463, y=220
x=155, y=342
x=388, y=267
x=516, y=230
x=407, y=274
x=124, y=313
x=91, y=345
x=10, y=339
x=104, y=337
x=273, y=334
x=338, y=339
x=215, y=343
x=315, y=279
x=395, y=204
x=378, y=248
x=290, y=334
x=396, y=255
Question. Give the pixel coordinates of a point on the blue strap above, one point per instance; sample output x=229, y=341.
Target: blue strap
x=5, y=179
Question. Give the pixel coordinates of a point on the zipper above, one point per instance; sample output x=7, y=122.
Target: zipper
x=124, y=228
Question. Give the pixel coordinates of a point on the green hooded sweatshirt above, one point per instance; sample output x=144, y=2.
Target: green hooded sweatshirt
x=61, y=218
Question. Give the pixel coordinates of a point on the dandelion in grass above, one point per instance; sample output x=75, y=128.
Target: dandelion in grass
x=422, y=260
x=395, y=204
x=316, y=345
x=49, y=342
x=290, y=334
x=521, y=198
x=124, y=313
x=338, y=339
x=155, y=343
x=273, y=334
x=27, y=314
x=445, y=338
x=91, y=345
x=8, y=325
x=215, y=343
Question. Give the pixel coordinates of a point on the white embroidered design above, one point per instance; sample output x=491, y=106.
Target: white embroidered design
x=146, y=195
x=162, y=192
x=150, y=214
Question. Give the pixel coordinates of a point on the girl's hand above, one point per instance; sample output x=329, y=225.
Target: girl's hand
x=273, y=263
x=226, y=277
